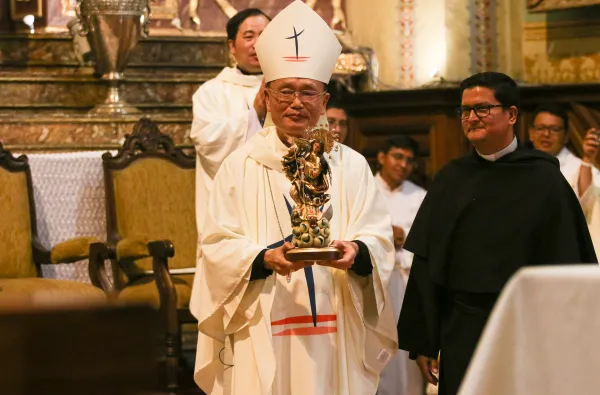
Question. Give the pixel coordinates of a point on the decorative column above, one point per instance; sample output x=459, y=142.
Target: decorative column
x=406, y=11
x=483, y=32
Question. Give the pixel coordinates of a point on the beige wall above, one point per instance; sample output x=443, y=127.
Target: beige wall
x=411, y=54
x=376, y=24
x=553, y=47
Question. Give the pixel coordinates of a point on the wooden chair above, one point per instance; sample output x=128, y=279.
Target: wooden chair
x=152, y=235
x=21, y=254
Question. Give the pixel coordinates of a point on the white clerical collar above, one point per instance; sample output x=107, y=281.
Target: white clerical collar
x=235, y=76
x=495, y=156
x=383, y=184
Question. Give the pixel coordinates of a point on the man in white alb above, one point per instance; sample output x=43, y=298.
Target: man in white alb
x=229, y=108
x=396, y=162
x=256, y=331
x=549, y=133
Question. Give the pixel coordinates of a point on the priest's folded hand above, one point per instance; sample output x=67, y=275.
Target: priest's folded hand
x=429, y=368
x=275, y=260
x=349, y=250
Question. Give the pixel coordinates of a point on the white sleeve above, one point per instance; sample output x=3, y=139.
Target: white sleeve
x=217, y=129
x=227, y=256
x=591, y=196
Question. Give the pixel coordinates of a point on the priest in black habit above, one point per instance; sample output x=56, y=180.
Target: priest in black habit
x=486, y=215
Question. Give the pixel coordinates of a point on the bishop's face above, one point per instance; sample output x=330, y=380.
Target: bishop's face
x=296, y=104
x=489, y=125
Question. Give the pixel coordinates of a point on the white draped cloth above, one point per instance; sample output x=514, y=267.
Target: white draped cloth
x=542, y=336
x=401, y=376
x=224, y=118
x=254, y=336
x=68, y=190
x=590, y=199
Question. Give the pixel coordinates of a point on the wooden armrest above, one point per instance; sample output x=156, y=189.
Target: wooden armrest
x=132, y=248
x=99, y=253
x=72, y=250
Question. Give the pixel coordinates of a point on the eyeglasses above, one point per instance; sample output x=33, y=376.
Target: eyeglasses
x=480, y=111
x=551, y=129
x=287, y=96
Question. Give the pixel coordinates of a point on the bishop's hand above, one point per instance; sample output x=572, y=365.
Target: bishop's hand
x=275, y=260
x=349, y=251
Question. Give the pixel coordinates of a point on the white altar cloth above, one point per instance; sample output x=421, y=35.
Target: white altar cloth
x=543, y=336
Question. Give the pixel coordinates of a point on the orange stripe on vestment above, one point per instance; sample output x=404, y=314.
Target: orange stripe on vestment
x=307, y=331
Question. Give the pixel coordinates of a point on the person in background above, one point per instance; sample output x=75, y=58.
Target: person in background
x=549, y=133
x=397, y=160
x=337, y=119
x=229, y=108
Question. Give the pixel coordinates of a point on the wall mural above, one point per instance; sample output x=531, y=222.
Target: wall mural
x=549, y=5
x=210, y=16
x=195, y=17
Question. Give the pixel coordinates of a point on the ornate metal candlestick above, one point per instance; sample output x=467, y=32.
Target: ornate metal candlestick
x=306, y=167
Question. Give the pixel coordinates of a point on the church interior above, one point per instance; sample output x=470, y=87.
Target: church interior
x=98, y=252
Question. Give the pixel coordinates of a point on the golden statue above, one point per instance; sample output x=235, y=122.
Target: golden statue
x=309, y=172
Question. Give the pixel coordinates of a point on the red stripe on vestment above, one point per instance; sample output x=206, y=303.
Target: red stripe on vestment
x=304, y=319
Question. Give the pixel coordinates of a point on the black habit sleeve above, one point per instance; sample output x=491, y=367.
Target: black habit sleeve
x=418, y=326
x=565, y=236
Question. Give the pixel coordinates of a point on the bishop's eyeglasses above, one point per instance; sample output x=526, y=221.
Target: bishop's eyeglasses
x=481, y=111
x=287, y=96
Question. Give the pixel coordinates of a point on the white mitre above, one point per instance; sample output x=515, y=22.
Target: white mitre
x=298, y=43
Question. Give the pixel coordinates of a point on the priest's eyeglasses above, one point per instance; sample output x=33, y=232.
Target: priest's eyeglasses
x=287, y=95
x=481, y=111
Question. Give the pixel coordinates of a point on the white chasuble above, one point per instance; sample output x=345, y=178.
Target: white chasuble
x=257, y=337
x=590, y=199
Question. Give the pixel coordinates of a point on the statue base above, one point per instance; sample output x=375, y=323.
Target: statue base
x=313, y=254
